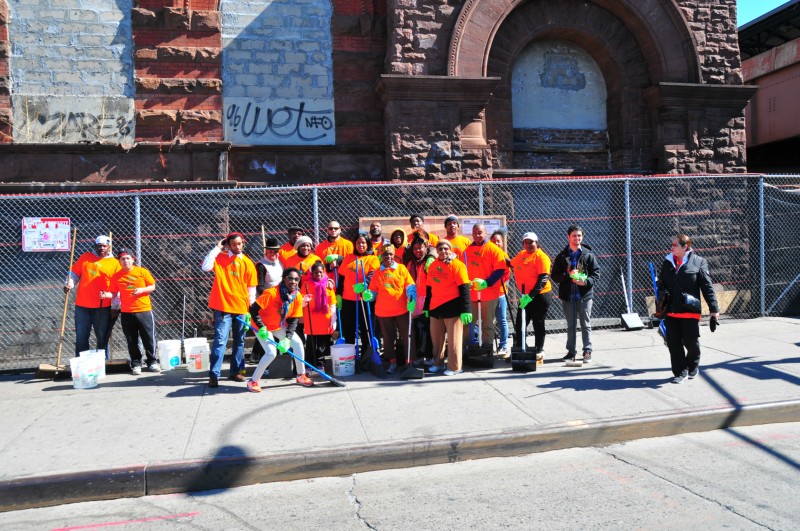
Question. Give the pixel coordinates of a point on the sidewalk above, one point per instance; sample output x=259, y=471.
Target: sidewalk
x=161, y=433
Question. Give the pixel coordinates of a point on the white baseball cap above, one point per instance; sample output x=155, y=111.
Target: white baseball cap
x=530, y=236
x=102, y=240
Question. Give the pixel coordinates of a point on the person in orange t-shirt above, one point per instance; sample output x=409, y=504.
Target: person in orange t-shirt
x=334, y=248
x=356, y=269
x=486, y=265
x=92, y=274
x=458, y=242
x=287, y=249
x=319, y=314
x=417, y=223
x=417, y=260
x=532, y=275
x=304, y=258
x=395, y=298
x=276, y=313
x=448, y=306
x=232, y=293
x=131, y=287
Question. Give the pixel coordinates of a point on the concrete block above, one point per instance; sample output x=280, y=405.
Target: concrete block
x=287, y=69
x=263, y=91
x=295, y=57
x=83, y=15
x=246, y=79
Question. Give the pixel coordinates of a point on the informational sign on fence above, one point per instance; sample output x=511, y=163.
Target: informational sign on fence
x=45, y=234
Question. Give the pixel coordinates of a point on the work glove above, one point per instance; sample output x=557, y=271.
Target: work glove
x=284, y=344
x=263, y=333
x=411, y=305
x=248, y=319
x=339, y=301
x=307, y=298
x=359, y=288
x=713, y=323
x=466, y=318
x=368, y=295
x=428, y=262
x=426, y=313
x=525, y=300
x=332, y=258
x=479, y=284
x=577, y=275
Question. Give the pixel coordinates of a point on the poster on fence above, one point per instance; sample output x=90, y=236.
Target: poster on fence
x=45, y=234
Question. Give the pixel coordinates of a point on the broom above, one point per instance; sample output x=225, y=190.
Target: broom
x=53, y=371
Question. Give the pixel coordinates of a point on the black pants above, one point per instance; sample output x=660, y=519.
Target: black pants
x=140, y=325
x=421, y=337
x=535, y=311
x=317, y=349
x=683, y=341
x=348, y=324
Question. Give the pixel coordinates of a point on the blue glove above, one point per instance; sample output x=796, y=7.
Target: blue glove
x=283, y=345
x=466, y=318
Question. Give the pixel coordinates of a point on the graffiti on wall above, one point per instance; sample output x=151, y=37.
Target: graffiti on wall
x=73, y=119
x=561, y=70
x=279, y=122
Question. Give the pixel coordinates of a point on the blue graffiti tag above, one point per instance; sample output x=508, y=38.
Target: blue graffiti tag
x=282, y=122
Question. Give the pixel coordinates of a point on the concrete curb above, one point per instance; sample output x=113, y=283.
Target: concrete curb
x=198, y=475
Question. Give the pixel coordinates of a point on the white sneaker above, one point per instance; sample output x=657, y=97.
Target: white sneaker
x=136, y=370
x=448, y=372
x=154, y=367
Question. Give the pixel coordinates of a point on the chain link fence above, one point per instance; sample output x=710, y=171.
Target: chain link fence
x=739, y=223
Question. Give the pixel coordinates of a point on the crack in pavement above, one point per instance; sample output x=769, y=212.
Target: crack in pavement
x=684, y=488
x=353, y=499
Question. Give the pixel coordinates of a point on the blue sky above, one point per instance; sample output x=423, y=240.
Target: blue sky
x=752, y=9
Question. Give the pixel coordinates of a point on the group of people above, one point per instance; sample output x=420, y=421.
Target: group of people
x=413, y=297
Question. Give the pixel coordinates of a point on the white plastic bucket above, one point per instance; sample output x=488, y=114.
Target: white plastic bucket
x=343, y=358
x=169, y=354
x=84, y=373
x=197, y=358
x=98, y=358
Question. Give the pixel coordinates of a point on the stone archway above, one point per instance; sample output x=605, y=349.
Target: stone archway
x=615, y=50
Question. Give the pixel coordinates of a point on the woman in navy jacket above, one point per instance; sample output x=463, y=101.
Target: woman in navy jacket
x=684, y=275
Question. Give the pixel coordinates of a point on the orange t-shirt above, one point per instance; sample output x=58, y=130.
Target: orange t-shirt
x=285, y=252
x=125, y=282
x=270, y=303
x=390, y=286
x=303, y=264
x=527, y=268
x=320, y=322
x=347, y=271
x=481, y=261
x=444, y=280
x=232, y=276
x=340, y=246
x=459, y=244
x=95, y=274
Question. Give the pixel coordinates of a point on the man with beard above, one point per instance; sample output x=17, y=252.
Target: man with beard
x=375, y=237
x=334, y=247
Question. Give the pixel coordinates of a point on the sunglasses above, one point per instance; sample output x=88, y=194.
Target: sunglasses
x=334, y=228
x=293, y=279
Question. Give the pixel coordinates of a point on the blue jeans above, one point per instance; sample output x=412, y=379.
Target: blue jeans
x=501, y=315
x=223, y=323
x=574, y=310
x=88, y=319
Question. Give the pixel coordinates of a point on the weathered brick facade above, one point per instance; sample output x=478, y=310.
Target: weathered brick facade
x=420, y=90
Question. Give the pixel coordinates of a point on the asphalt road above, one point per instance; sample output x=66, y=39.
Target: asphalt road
x=742, y=478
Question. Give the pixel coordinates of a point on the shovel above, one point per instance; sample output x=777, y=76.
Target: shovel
x=631, y=321
x=411, y=372
x=376, y=363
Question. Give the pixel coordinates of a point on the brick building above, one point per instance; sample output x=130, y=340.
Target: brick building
x=310, y=90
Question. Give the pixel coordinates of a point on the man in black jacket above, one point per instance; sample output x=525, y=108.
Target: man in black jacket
x=683, y=276
x=576, y=270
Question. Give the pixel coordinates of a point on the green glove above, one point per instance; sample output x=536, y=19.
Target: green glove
x=524, y=301
x=428, y=262
x=263, y=333
x=284, y=344
x=411, y=305
x=479, y=284
x=331, y=258
x=425, y=313
x=359, y=288
x=339, y=301
x=466, y=318
x=368, y=295
x=248, y=319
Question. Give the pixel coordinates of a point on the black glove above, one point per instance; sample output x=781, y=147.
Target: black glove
x=713, y=323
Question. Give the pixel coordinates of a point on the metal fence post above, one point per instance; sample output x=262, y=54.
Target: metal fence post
x=762, y=244
x=628, y=244
x=480, y=198
x=315, y=202
x=137, y=221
